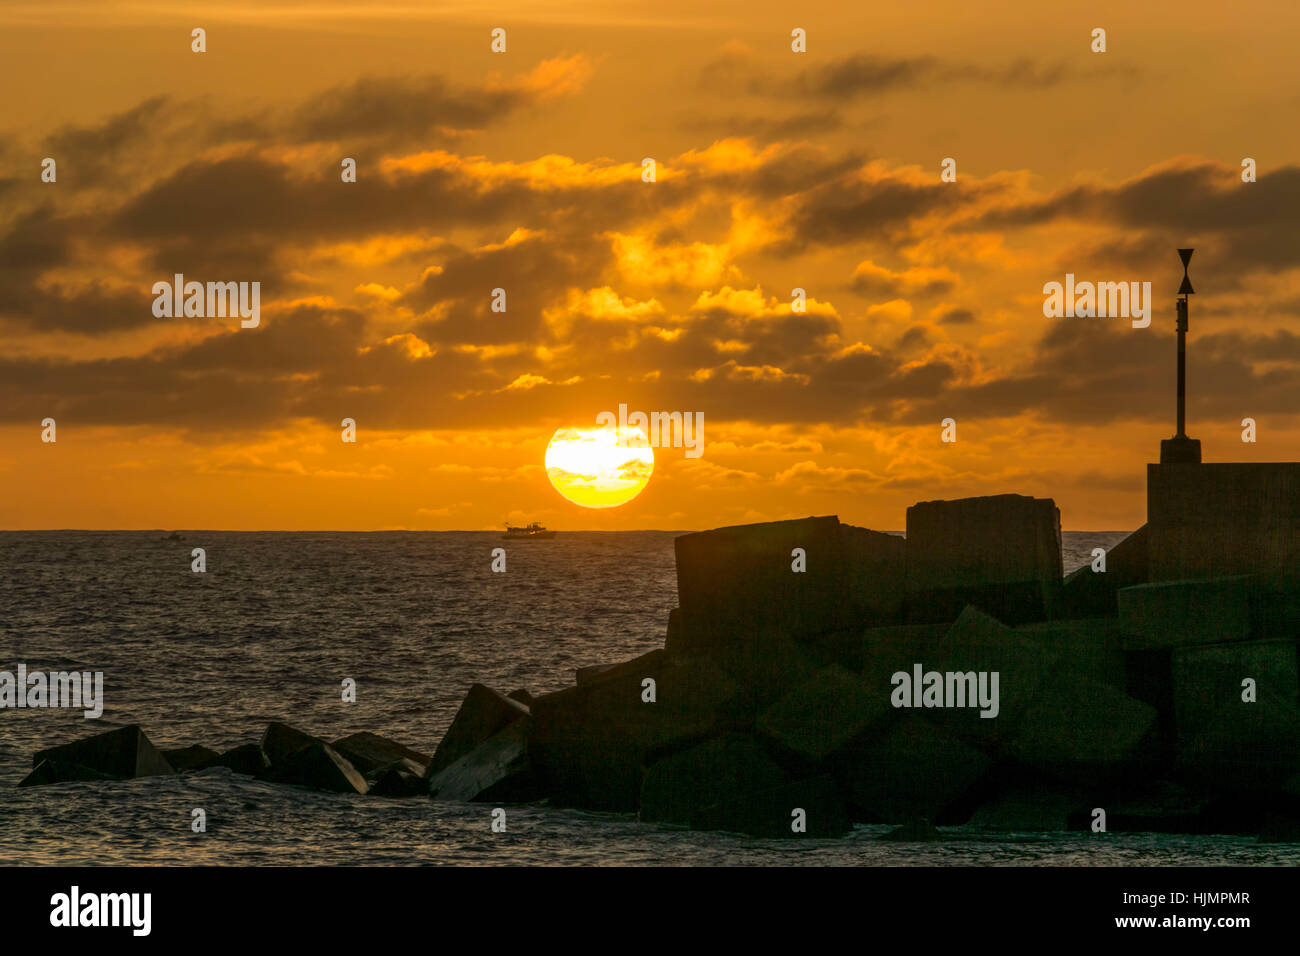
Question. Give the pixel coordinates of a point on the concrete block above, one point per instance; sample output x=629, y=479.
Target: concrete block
x=770, y=813
x=762, y=670
x=917, y=830
x=1223, y=518
x=642, y=665
x=704, y=775
x=878, y=649
x=318, y=766
x=874, y=574
x=125, y=753
x=1224, y=742
x=1081, y=730
x=1089, y=649
x=60, y=771
x=281, y=741
x=1035, y=809
x=1169, y=614
x=402, y=779
x=497, y=770
x=1001, y=553
x=591, y=744
x=185, y=759
x=978, y=644
x=483, y=713
x=1086, y=593
x=914, y=769
x=369, y=752
x=823, y=714
x=734, y=583
x=248, y=759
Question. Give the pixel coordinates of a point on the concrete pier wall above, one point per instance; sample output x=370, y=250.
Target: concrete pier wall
x=1219, y=519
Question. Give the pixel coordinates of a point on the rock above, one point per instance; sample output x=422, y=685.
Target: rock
x=281, y=741
x=1171, y=614
x=483, y=713
x=1087, y=593
x=522, y=696
x=1001, y=553
x=248, y=759
x=186, y=759
x=404, y=778
x=368, y=752
x=821, y=715
x=1224, y=742
x=499, y=770
x=737, y=584
x=60, y=771
x=1080, y=730
x=913, y=768
x=771, y=812
x=978, y=644
x=319, y=767
x=705, y=775
x=125, y=754
x=590, y=744
x=918, y=830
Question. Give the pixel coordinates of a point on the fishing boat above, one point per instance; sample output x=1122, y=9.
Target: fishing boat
x=527, y=533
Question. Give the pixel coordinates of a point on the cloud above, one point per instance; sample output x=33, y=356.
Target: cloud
x=736, y=69
x=871, y=279
x=398, y=110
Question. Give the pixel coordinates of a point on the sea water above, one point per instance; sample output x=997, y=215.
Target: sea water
x=276, y=624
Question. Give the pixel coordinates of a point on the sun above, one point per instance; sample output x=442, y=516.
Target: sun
x=599, y=467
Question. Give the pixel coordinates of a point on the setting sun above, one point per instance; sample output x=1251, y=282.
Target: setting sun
x=599, y=467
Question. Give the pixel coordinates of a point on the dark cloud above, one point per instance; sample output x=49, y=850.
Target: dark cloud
x=1238, y=228
x=954, y=315
x=869, y=74
x=854, y=208
x=251, y=217
x=1097, y=372
x=404, y=109
x=86, y=152
x=534, y=273
x=766, y=128
x=39, y=241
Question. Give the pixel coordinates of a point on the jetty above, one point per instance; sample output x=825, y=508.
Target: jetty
x=814, y=675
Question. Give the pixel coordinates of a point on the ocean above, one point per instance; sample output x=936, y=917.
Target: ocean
x=280, y=619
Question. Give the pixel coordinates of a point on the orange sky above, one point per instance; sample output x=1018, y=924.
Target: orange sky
x=522, y=171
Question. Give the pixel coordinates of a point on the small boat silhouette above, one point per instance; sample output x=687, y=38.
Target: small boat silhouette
x=527, y=533
x=174, y=536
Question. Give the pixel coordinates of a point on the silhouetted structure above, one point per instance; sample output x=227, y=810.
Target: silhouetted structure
x=1180, y=449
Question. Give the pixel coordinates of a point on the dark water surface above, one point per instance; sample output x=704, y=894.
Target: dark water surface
x=280, y=619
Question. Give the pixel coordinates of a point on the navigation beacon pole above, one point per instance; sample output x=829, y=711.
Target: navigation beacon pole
x=1180, y=449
